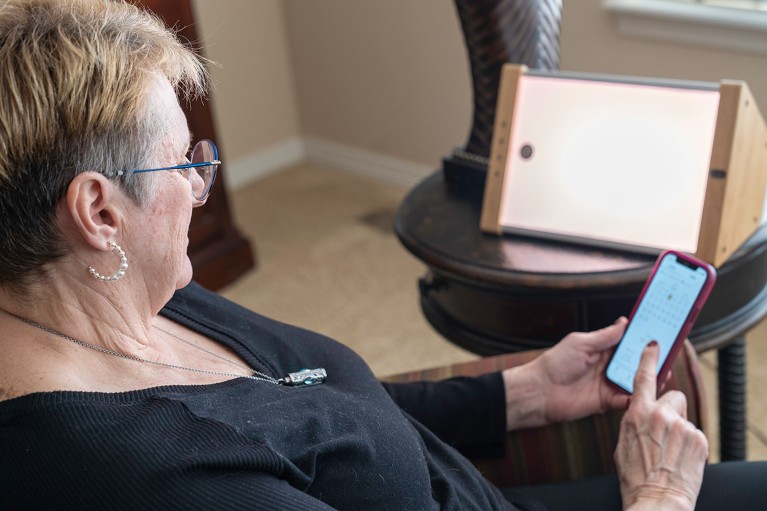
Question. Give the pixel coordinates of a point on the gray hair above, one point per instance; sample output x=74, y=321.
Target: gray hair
x=74, y=85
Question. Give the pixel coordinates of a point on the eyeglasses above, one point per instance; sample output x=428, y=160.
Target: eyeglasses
x=203, y=160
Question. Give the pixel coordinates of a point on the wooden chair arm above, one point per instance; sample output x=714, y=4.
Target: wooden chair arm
x=570, y=450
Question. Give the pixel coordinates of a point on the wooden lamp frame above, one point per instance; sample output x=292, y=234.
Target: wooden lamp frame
x=737, y=174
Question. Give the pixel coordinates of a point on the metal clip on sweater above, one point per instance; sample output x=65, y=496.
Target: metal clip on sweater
x=304, y=377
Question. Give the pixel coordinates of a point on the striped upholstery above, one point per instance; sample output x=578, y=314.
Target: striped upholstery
x=570, y=450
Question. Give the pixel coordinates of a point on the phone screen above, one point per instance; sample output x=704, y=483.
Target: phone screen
x=660, y=316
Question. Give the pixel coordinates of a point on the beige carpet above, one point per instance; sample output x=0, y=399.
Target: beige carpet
x=329, y=262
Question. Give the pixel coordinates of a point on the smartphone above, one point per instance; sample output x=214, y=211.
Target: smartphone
x=665, y=312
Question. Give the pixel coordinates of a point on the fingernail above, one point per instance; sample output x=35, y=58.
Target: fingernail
x=652, y=344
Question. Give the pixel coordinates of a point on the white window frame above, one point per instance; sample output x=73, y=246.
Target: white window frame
x=710, y=26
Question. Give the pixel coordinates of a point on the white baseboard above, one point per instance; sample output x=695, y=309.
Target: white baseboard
x=272, y=159
x=264, y=162
x=368, y=163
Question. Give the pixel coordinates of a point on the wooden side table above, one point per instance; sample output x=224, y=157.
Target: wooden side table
x=493, y=294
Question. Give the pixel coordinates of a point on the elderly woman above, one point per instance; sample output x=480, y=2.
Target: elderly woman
x=123, y=386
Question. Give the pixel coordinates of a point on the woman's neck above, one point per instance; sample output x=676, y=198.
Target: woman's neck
x=106, y=314
x=113, y=316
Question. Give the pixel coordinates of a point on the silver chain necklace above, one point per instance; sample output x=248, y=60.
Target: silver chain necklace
x=304, y=377
x=220, y=357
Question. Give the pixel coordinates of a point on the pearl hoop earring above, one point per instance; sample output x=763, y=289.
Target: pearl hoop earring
x=120, y=273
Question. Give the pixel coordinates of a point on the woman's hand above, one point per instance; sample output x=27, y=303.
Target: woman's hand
x=660, y=454
x=566, y=382
x=573, y=371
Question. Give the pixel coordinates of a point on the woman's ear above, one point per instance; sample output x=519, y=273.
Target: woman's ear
x=91, y=207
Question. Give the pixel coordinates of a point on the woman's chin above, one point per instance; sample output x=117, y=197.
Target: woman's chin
x=185, y=277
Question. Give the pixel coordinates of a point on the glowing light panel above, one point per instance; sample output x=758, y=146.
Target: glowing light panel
x=615, y=163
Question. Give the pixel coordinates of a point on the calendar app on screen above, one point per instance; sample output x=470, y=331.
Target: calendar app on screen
x=660, y=316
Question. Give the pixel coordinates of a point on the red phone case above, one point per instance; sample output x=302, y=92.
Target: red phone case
x=691, y=316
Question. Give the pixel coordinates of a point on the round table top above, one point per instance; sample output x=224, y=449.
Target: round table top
x=439, y=224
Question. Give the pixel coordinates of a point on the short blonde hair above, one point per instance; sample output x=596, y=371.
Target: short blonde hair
x=74, y=82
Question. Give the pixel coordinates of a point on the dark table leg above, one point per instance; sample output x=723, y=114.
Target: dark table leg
x=732, y=400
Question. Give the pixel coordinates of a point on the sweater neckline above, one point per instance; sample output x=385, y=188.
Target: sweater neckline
x=174, y=313
x=61, y=397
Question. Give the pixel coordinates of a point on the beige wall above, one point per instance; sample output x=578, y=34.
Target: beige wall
x=590, y=42
x=254, y=101
x=391, y=76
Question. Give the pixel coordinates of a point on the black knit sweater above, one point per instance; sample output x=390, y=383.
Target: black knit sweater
x=351, y=443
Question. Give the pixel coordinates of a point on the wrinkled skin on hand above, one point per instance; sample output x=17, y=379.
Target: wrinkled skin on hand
x=660, y=454
x=573, y=374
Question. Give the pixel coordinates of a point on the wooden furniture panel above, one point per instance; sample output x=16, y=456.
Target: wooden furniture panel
x=737, y=181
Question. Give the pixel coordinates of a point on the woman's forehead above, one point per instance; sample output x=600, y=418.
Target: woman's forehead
x=163, y=100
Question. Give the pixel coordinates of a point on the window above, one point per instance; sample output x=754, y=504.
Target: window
x=735, y=25
x=756, y=5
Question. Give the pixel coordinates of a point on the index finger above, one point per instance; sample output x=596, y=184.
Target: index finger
x=645, y=384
